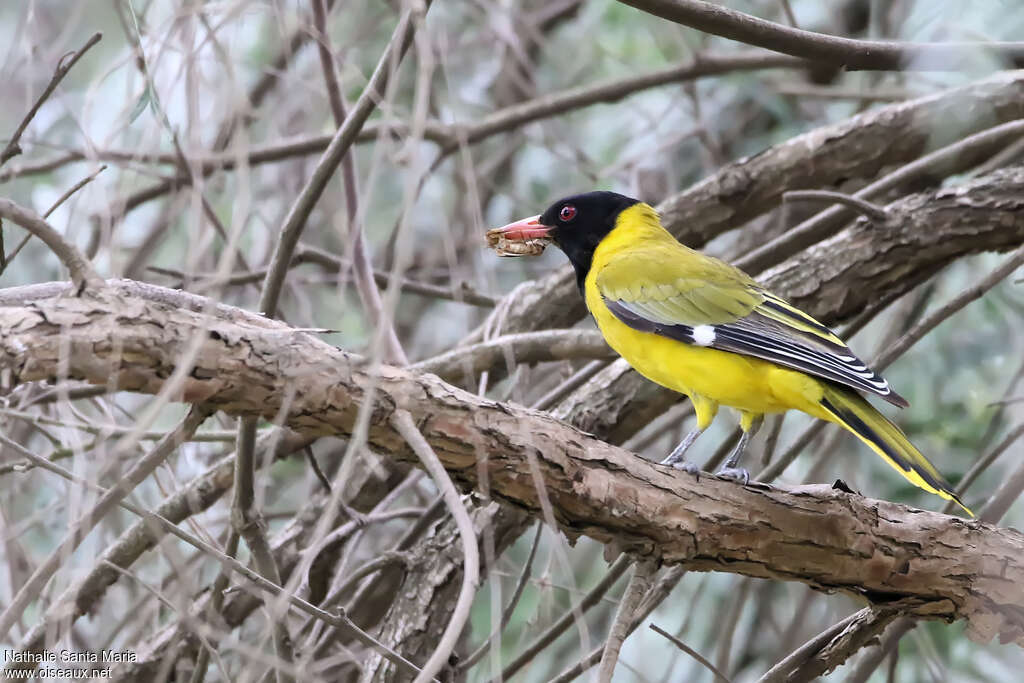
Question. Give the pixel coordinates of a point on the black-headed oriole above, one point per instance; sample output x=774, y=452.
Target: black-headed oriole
x=701, y=327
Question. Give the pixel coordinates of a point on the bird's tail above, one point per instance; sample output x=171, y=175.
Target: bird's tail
x=849, y=409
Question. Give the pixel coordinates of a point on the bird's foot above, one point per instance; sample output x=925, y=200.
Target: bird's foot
x=678, y=463
x=688, y=467
x=737, y=474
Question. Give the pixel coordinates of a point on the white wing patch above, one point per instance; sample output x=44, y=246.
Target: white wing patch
x=704, y=335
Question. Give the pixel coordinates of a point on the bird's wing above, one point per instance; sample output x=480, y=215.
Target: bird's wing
x=702, y=301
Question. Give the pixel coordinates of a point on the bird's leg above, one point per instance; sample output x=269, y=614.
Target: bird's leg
x=706, y=410
x=749, y=423
x=676, y=457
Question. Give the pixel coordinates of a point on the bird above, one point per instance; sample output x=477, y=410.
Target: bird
x=702, y=327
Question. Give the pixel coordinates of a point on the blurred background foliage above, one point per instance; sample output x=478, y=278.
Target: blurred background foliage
x=167, y=70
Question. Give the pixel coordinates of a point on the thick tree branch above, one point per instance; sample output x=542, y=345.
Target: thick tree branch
x=851, y=54
x=929, y=564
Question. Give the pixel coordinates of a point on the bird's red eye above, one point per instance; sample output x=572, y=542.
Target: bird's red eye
x=567, y=213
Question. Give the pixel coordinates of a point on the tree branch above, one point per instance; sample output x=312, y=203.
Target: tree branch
x=403, y=422
x=81, y=271
x=848, y=53
x=528, y=347
x=928, y=564
x=67, y=62
x=638, y=586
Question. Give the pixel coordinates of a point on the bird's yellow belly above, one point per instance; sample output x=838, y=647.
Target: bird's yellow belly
x=730, y=379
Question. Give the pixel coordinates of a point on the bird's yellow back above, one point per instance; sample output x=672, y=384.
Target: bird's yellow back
x=640, y=259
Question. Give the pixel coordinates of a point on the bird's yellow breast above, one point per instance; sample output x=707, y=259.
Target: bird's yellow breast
x=730, y=379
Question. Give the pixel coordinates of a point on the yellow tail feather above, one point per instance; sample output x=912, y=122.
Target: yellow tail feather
x=849, y=409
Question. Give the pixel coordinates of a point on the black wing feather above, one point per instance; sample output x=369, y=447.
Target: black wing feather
x=756, y=337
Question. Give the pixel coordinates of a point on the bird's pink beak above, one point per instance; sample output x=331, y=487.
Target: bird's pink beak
x=526, y=237
x=523, y=229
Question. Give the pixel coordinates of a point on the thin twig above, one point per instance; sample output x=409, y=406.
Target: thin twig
x=332, y=264
x=838, y=93
x=782, y=669
x=299, y=212
x=376, y=564
x=510, y=608
x=983, y=463
x=527, y=347
x=366, y=286
x=914, y=334
x=66, y=63
x=1005, y=496
x=874, y=656
x=82, y=273
x=213, y=608
x=861, y=205
x=690, y=651
x=179, y=609
x=404, y=424
x=248, y=523
x=556, y=629
x=638, y=586
x=73, y=189
x=323, y=43
x=571, y=383
x=108, y=430
x=654, y=597
x=30, y=590
x=339, y=620
x=788, y=9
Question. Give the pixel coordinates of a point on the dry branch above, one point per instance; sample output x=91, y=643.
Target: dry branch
x=81, y=270
x=926, y=563
x=423, y=605
x=67, y=62
x=529, y=347
x=874, y=55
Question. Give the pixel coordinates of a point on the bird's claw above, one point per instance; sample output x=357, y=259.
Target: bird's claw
x=678, y=463
x=737, y=474
x=688, y=467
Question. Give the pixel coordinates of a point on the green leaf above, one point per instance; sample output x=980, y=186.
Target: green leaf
x=145, y=99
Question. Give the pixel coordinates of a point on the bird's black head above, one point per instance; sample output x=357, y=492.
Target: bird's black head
x=577, y=224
